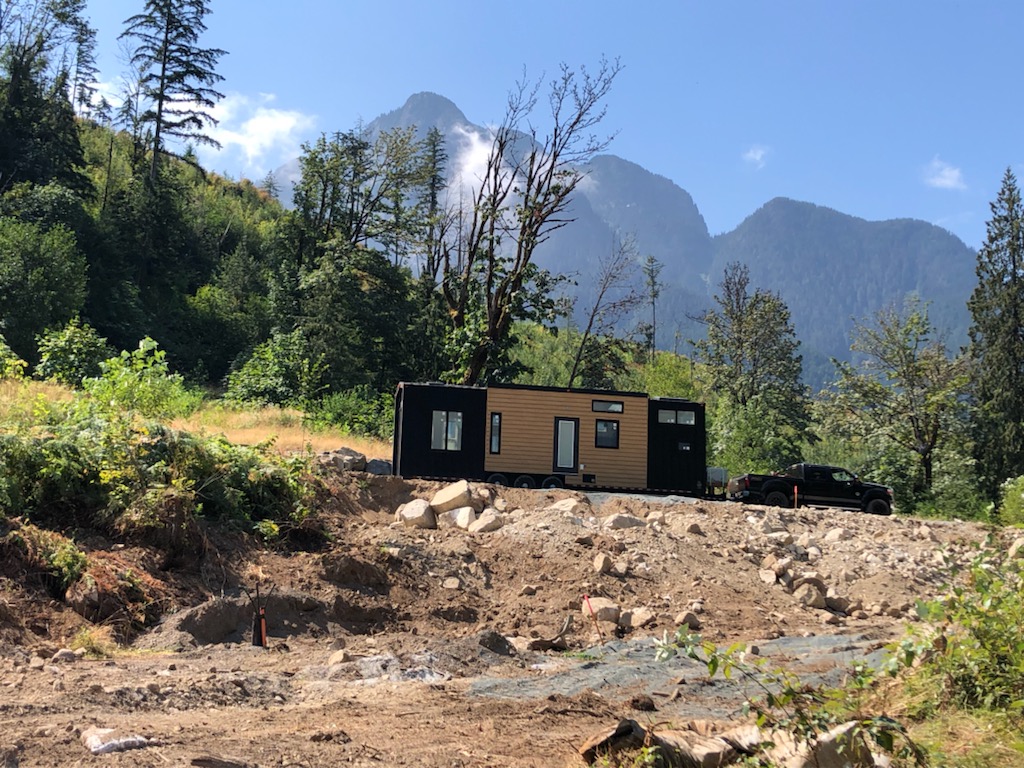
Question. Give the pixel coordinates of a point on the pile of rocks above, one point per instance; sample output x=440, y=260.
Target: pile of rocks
x=459, y=505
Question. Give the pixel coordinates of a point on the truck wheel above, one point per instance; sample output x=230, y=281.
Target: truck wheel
x=878, y=507
x=552, y=482
x=497, y=479
x=777, y=499
x=525, y=481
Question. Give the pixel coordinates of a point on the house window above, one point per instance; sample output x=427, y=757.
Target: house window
x=606, y=433
x=495, y=433
x=687, y=418
x=606, y=406
x=446, y=431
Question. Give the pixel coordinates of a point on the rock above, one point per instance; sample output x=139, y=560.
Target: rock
x=500, y=504
x=837, y=534
x=636, y=618
x=528, y=590
x=36, y=662
x=602, y=563
x=688, y=619
x=9, y=755
x=837, y=603
x=379, y=467
x=339, y=657
x=620, y=520
x=1015, y=549
x=810, y=596
x=620, y=568
x=842, y=747
x=417, y=514
x=571, y=507
x=602, y=609
x=345, y=459
x=488, y=521
x=461, y=517
x=695, y=529
x=767, y=575
x=452, y=582
x=103, y=741
x=813, y=579
x=781, y=538
x=452, y=496
x=65, y=655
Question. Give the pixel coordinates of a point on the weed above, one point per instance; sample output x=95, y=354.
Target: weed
x=98, y=642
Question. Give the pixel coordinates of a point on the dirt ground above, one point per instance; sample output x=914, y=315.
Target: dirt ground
x=402, y=646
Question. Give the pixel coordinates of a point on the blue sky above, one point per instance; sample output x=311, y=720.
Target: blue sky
x=879, y=109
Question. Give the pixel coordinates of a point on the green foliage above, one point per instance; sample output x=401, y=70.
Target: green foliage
x=176, y=75
x=53, y=479
x=358, y=411
x=42, y=281
x=141, y=382
x=71, y=354
x=907, y=389
x=280, y=371
x=753, y=437
x=1011, y=502
x=997, y=346
x=57, y=555
x=750, y=360
x=11, y=366
x=974, y=658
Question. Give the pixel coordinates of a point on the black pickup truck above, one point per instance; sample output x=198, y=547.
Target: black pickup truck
x=813, y=485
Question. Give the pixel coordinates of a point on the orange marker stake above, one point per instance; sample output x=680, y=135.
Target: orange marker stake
x=597, y=626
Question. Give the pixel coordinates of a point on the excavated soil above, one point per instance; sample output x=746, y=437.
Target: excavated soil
x=391, y=645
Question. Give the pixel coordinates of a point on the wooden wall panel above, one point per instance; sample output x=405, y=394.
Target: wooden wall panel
x=527, y=435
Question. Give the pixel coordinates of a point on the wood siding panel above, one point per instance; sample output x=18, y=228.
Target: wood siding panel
x=528, y=427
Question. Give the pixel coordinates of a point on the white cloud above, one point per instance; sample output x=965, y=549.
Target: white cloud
x=756, y=156
x=470, y=165
x=259, y=135
x=939, y=174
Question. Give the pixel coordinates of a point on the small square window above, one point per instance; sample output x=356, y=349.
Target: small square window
x=606, y=433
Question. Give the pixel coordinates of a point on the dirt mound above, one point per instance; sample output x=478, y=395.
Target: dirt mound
x=434, y=637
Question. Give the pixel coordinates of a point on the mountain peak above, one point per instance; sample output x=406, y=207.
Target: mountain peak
x=425, y=110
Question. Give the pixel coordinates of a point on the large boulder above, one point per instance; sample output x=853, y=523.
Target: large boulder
x=451, y=496
x=416, y=514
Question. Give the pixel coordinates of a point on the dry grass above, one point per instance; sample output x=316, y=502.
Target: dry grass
x=283, y=426
x=18, y=398
x=971, y=740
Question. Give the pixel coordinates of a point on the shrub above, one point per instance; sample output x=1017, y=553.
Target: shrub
x=72, y=353
x=11, y=366
x=280, y=371
x=359, y=411
x=141, y=382
x=57, y=555
x=1011, y=507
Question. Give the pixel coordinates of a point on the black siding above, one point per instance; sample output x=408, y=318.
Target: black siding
x=414, y=407
x=676, y=453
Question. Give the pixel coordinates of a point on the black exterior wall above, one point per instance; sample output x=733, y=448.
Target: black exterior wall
x=676, y=453
x=414, y=408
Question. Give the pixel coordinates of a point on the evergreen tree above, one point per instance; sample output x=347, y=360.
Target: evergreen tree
x=997, y=342
x=177, y=74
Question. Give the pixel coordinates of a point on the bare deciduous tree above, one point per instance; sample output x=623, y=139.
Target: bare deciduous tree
x=490, y=279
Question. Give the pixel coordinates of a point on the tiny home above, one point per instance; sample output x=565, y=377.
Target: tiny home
x=551, y=438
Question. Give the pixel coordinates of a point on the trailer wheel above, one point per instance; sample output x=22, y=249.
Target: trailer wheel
x=777, y=499
x=497, y=479
x=552, y=482
x=525, y=481
x=878, y=507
